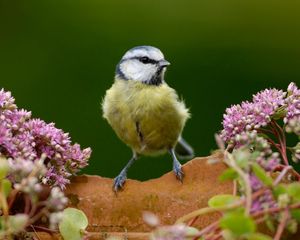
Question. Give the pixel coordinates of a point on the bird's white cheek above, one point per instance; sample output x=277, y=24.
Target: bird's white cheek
x=130, y=70
x=138, y=71
x=147, y=72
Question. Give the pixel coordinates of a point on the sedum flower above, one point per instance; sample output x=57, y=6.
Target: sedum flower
x=292, y=118
x=6, y=100
x=25, y=139
x=261, y=151
x=57, y=200
x=292, y=101
x=29, y=185
x=263, y=202
x=296, y=153
x=54, y=219
x=20, y=169
x=251, y=115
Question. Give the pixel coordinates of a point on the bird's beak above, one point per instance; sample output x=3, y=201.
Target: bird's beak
x=163, y=63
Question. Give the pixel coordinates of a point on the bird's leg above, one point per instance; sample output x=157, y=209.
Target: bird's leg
x=121, y=178
x=176, y=166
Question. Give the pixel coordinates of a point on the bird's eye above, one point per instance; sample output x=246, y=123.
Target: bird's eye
x=145, y=60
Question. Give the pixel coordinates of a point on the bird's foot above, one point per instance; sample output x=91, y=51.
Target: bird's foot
x=119, y=181
x=178, y=171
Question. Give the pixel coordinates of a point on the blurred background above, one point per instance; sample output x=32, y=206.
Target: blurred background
x=58, y=58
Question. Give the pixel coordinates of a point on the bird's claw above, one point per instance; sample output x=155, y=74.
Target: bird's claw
x=178, y=171
x=119, y=182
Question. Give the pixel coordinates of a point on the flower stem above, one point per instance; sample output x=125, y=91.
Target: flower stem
x=44, y=229
x=12, y=197
x=209, y=228
x=282, y=224
x=248, y=191
x=279, y=133
x=282, y=174
x=207, y=210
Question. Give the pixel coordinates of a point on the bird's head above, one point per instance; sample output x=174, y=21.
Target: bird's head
x=145, y=64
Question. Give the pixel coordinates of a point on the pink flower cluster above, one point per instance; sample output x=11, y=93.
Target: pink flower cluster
x=258, y=113
x=260, y=148
x=22, y=137
x=264, y=201
x=292, y=118
x=251, y=115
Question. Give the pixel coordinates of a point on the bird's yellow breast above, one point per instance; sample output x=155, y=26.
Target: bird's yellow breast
x=148, y=118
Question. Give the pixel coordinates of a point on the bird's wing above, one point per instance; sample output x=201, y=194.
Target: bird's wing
x=183, y=149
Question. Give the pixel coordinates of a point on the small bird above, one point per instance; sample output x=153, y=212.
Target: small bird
x=144, y=111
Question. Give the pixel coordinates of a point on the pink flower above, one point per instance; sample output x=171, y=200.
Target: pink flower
x=24, y=138
x=251, y=115
x=292, y=118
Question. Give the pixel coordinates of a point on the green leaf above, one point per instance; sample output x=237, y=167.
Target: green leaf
x=258, y=236
x=6, y=187
x=294, y=191
x=228, y=174
x=222, y=200
x=73, y=223
x=279, y=190
x=261, y=174
x=17, y=222
x=296, y=214
x=4, y=167
x=238, y=223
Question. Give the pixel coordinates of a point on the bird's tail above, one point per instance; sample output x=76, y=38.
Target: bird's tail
x=184, y=150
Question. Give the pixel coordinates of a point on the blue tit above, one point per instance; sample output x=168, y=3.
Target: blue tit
x=144, y=111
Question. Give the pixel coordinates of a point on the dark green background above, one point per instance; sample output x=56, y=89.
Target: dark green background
x=58, y=58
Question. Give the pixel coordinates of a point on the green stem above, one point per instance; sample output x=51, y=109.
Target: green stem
x=3, y=202
x=207, y=210
x=248, y=191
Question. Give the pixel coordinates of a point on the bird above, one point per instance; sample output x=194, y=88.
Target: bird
x=144, y=111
